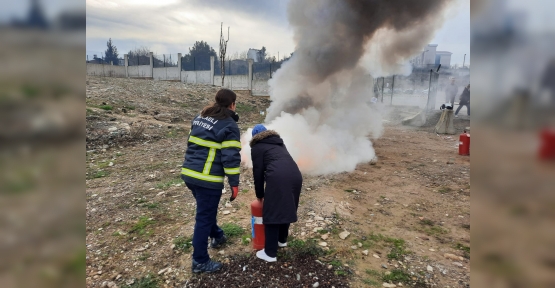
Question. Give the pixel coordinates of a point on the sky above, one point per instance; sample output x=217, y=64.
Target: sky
x=173, y=26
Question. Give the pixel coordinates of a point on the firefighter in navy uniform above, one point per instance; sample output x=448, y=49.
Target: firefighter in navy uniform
x=212, y=153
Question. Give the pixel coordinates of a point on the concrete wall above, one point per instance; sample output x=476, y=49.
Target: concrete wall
x=166, y=73
x=141, y=71
x=260, y=88
x=233, y=82
x=200, y=77
x=105, y=70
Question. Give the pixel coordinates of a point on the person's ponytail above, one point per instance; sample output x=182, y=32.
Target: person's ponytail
x=219, y=109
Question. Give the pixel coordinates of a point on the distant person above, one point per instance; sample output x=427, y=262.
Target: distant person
x=464, y=100
x=212, y=152
x=273, y=165
x=451, y=92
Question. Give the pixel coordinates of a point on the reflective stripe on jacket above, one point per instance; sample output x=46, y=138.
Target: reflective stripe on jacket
x=212, y=153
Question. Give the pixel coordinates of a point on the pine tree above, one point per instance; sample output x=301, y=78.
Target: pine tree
x=111, y=54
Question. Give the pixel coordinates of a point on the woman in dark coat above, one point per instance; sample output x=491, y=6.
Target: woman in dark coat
x=272, y=163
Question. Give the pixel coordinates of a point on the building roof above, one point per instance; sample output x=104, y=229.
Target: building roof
x=443, y=52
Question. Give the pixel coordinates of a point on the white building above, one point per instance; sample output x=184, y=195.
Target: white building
x=253, y=54
x=443, y=58
x=430, y=56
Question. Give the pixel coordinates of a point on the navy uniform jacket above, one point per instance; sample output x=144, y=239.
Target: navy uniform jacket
x=212, y=153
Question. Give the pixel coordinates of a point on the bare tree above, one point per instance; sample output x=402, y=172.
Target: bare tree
x=223, y=49
x=243, y=55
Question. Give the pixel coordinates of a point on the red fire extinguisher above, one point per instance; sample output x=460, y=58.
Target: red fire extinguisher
x=464, y=143
x=547, y=148
x=257, y=226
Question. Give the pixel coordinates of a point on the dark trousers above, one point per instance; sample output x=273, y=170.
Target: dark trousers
x=273, y=234
x=461, y=104
x=205, y=220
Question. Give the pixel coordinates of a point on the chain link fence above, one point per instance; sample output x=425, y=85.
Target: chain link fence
x=165, y=60
x=138, y=59
x=265, y=70
x=232, y=67
x=190, y=63
x=420, y=88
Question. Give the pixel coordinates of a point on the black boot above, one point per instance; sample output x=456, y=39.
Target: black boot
x=208, y=267
x=217, y=243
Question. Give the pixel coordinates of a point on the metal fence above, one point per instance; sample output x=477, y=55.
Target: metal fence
x=190, y=63
x=418, y=89
x=232, y=67
x=265, y=70
x=165, y=60
x=138, y=59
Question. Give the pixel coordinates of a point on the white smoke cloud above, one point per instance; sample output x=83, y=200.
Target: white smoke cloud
x=331, y=135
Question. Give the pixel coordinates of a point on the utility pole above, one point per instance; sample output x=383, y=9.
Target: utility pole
x=464, y=60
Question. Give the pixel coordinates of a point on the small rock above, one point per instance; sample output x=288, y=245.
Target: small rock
x=161, y=193
x=225, y=212
x=248, y=240
x=323, y=244
x=163, y=271
x=315, y=284
x=430, y=268
x=387, y=273
x=330, y=266
x=318, y=218
x=173, y=246
x=344, y=235
x=325, y=236
x=431, y=249
x=459, y=264
x=365, y=252
x=303, y=233
x=389, y=285
x=118, y=277
x=221, y=252
x=453, y=257
x=384, y=266
x=451, y=161
x=359, y=244
x=111, y=164
x=308, y=189
x=354, y=247
x=228, y=205
x=298, y=277
x=376, y=256
x=317, y=229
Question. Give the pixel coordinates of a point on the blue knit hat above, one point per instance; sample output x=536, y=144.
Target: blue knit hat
x=257, y=129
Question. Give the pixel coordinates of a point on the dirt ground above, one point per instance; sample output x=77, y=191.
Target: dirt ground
x=407, y=214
